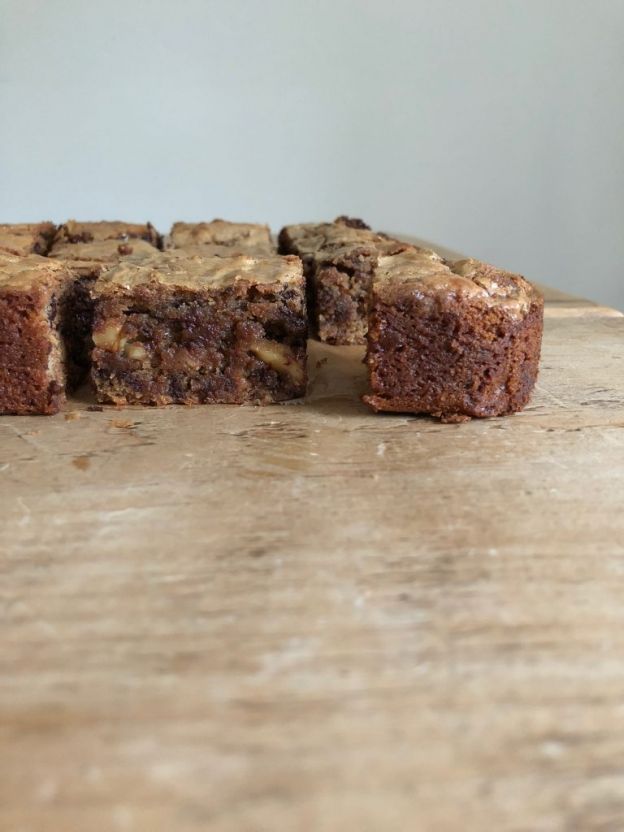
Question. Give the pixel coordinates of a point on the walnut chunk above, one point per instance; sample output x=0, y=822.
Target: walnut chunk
x=280, y=357
x=135, y=350
x=109, y=337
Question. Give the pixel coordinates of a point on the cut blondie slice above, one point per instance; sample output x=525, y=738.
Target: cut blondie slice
x=452, y=340
x=195, y=330
x=34, y=293
x=88, y=261
x=339, y=259
x=26, y=238
x=220, y=238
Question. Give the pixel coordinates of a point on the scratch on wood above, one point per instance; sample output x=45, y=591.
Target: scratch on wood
x=26, y=437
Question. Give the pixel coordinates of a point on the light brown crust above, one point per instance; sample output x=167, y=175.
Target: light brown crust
x=74, y=231
x=178, y=269
x=221, y=238
x=92, y=258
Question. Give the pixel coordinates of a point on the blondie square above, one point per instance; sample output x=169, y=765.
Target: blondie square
x=34, y=293
x=87, y=232
x=26, y=238
x=453, y=340
x=338, y=259
x=222, y=239
x=184, y=329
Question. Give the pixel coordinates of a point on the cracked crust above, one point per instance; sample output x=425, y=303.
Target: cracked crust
x=26, y=238
x=221, y=238
x=87, y=232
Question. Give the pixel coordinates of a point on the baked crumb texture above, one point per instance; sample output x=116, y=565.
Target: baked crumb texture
x=35, y=362
x=454, y=340
x=184, y=329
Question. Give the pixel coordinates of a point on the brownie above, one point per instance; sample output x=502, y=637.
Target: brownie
x=88, y=232
x=33, y=300
x=338, y=259
x=221, y=239
x=88, y=261
x=197, y=330
x=452, y=340
x=26, y=238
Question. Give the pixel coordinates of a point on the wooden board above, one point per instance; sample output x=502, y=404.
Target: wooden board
x=309, y=617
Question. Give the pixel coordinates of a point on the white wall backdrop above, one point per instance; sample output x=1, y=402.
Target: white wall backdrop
x=495, y=127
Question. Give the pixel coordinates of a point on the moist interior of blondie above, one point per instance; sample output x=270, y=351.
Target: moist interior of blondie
x=201, y=330
x=33, y=295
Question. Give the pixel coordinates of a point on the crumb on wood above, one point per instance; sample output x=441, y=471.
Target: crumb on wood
x=72, y=415
x=95, y=408
x=122, y=424
x=81, y=462
x=321, y=362
x=452, y=418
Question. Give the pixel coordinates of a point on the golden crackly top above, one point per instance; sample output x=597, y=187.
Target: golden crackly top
x=243, y=237
x=311, y=238
x=85, y=232
x=175, y=269
x=218, y=250
x=25, y=238
x=425, y=271
x=30, y=272
x=102, y=251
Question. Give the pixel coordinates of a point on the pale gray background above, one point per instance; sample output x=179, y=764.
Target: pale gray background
x=492, y=126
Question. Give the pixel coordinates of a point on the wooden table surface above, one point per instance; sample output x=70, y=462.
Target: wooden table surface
x=311, y=617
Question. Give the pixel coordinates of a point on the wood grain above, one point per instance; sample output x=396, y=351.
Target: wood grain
x=310, y=617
